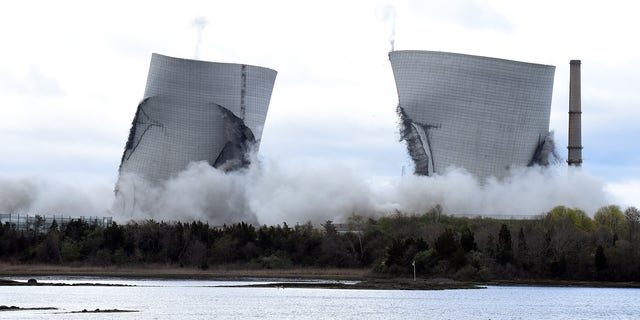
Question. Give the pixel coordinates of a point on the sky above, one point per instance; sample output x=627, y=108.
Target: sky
x=73, y=72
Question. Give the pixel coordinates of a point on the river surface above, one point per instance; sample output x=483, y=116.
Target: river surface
x=206, y=299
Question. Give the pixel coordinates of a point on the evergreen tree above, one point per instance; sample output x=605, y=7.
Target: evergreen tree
x=504, y=251
x=523, y=250
x=468, y=241
x=446, y=244
x=600, y=260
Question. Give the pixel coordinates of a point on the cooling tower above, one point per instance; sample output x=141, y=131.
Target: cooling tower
x=196, y=111
x=483, y=114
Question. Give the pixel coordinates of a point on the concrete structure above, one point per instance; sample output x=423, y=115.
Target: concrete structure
x=482, y=114
x=575, y=115
x=197, y=111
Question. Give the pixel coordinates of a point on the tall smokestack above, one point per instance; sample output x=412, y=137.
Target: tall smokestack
x=575, y=113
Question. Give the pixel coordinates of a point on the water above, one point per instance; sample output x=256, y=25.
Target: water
x=198, y=299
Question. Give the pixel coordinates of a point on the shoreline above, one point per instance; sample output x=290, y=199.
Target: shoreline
x=364, y=277
x=171, y=272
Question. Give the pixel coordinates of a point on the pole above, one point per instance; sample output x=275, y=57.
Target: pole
x=414, y=269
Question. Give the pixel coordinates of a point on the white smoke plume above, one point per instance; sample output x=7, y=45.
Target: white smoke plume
x=387, y=13
x=271, y=194
x=279, y=194
x=526, y=192
x=47, y=197
x=200, y=24
x=17, y=194
x=201, y=192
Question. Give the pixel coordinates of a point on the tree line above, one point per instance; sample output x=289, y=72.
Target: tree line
x=565, y=243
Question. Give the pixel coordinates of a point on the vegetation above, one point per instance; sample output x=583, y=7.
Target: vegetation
x=14, y=308
x=563, y=244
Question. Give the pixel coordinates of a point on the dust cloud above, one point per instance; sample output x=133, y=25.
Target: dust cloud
x=267, y=193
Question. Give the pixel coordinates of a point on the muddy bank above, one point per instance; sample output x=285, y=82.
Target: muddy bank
x=376, y=284
x=33, y=282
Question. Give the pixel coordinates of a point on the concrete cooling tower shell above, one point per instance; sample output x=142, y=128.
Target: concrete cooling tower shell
x=197, y=111
x=482, y=114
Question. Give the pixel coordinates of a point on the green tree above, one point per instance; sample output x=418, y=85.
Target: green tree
x=113, y=237
x=468, y=241
x=632, y=216
x=54, y=226
x=394, y=254
x=600, y=260
x=504, y=251
x=425, y=260
x=490, y=248
x=329, y=228
x=48, y=251
x=401, y=254
x=446, y=244
x=523, y=250
x=577, y=217
x=611, y=219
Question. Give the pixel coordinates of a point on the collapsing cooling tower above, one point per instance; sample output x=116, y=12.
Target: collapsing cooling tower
x=482, y=114
x=197, y=111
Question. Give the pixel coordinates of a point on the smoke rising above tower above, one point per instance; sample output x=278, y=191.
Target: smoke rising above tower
x=387, y=13
x=199, y=23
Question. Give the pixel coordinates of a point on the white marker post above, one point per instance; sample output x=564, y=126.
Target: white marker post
x=414, y=269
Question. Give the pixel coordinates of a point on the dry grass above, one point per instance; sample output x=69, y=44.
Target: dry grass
x=163, y=271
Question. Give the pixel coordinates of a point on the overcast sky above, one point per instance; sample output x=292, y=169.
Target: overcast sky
x=72, y=74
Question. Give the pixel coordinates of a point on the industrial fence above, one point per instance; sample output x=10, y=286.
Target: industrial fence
x=502, y=216
x=41, y=223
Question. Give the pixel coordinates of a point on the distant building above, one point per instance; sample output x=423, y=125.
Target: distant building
x=196, y=111
x=485, y=115
x=42, y=223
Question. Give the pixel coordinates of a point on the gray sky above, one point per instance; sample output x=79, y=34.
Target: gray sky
x=72, y=73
